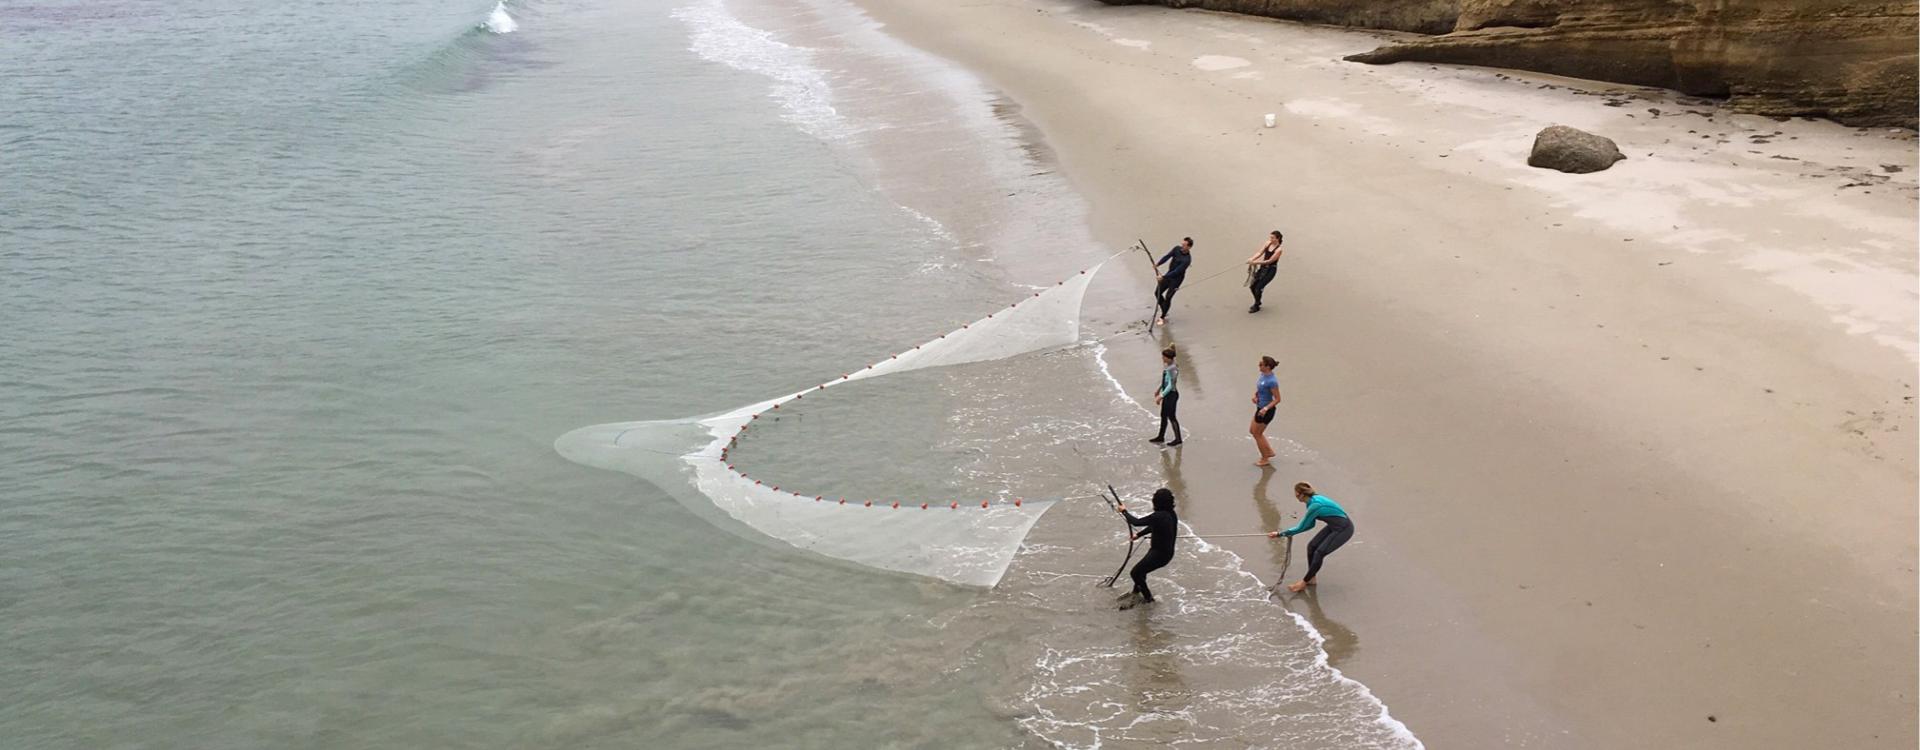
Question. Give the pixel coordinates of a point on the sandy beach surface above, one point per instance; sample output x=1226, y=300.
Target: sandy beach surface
x=1631, y=455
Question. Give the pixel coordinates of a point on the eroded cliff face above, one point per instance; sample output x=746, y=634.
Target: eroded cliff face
x=1423, y=16
x=1851, y=60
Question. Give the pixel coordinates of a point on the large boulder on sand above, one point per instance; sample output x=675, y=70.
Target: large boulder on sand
x=1570, y=150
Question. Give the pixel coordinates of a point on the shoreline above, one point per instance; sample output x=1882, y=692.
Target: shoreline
x=881, y=102
x=1497, y=580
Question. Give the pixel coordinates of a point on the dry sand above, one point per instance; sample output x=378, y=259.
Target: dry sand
x=1631, y=455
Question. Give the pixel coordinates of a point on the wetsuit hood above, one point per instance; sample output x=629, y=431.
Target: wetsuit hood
x=1163, y=500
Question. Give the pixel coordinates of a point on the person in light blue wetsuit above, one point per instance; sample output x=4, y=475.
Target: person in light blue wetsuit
x=1339, y=529
x=1168, y=397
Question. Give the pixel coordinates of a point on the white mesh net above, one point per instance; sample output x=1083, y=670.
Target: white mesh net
x=967, y=543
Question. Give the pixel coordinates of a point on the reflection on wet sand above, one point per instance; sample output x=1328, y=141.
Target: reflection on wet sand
x=1342, y=643
x=1153, y=673
x=1270, y=517
x=1170, y=468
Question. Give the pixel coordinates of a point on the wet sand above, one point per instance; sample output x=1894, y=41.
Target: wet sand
x=1630, y=455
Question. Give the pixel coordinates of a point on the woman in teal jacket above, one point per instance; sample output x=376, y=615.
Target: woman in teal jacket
x=1339, y=529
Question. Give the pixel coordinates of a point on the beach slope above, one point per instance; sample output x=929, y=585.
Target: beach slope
x=1631, y=454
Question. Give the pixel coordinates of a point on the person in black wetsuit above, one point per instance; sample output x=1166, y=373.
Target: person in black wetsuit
x=1263, y=265
x=1164, y=526
x=1176, y=261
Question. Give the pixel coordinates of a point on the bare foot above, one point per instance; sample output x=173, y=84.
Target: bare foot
x=1262, y=462
x=1297, y=586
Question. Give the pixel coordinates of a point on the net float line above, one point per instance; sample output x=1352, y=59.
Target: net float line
x=726, y=454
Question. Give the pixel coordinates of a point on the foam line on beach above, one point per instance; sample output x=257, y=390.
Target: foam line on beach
x=1239, y=567
x=1385, y=719
x=801, y=86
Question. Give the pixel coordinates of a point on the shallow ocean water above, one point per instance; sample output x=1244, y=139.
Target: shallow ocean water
x=299, y=296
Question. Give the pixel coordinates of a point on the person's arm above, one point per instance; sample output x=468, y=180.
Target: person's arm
x=1275, y=260
x=1275, y=390
x=1147, y=525
x=1306, y=522
x=1163, y=259
x=1166, y=384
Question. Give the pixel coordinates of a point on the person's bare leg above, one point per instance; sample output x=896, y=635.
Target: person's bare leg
x=1259, y=432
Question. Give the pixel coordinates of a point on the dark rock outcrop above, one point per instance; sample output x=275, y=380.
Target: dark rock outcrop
x=1422, y=16
x=1853, y=61
x=1572, y=150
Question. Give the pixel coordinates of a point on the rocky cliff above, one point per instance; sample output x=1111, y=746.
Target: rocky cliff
x=1851, y=60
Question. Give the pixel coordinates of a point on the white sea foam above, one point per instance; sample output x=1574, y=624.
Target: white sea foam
x=936, y=230
x=799, y=84
x=1100, y=356
x=499, y=22
x=1400, y=735
x=1385, y=719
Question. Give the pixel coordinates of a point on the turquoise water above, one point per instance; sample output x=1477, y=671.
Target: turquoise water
x=299, y=296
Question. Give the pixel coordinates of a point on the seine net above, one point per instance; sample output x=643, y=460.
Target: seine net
x=970, y=543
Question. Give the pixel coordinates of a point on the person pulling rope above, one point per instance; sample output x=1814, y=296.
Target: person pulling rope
x=1163, y=525
x=1339, y=529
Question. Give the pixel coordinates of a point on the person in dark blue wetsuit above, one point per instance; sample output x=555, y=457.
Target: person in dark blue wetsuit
x=1339, y=529
x=1164, y=526
x=1176, y=261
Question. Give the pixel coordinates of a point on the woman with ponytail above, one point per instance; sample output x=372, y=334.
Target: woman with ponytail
x=1339, y=529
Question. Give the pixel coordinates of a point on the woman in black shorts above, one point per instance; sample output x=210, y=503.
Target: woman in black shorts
x=1266, y=396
